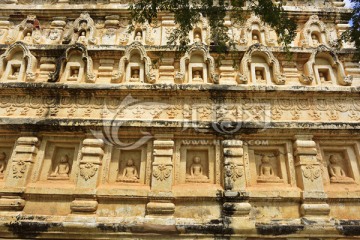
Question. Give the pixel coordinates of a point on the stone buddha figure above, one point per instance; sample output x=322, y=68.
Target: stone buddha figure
x=259, y=75
x=322, y=77
x=337, y=173
x=2, y=163
x=130, y=173
x=315, y=40
x=28, y=38
x=82, y=38
x=15, y=73
x=197, y=76
x=197, y=38
x=266, y=171
x=138, y=37
x=255, y=39
x=74, y=75
x=135, y=77
x=196, y=171
x=62, y=169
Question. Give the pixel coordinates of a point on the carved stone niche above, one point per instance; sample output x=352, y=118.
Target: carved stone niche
x=197, y=67
x=135, y=66
x=197, y=36
x=325, y=68
x=84, y=30
x=270, y=164
x=340, y=163
x=130, y=166
x=315, y=33
x=58, y=162
x=5, y=155
x=197, y=163
x=76, y=66
x=260, y=67
x=143, y=34
x=256, y=32
x=17, y=64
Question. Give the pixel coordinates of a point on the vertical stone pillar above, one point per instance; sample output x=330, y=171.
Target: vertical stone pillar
x=236, y=206
x=161, y=197
x=18, y=175
x=308, y=173
x=89, y=169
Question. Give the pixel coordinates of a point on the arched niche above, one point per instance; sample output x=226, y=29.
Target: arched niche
x=28, y=31
x=256, y=31
x=201, y=32
x=259, y=61
x=84, y=30
x=74, y=66
x=135, y=66
x=18, y=64
x=197, y=66
x=324, y=68
x=142, y=34
x=315, y=33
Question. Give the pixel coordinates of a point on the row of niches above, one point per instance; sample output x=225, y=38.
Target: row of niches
x=113, y=30
x=264, y=162
x=257, y=66
x=310, y=3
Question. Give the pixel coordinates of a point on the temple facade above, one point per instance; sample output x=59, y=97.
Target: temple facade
x=111, y=134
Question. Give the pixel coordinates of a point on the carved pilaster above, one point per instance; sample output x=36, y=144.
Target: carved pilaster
x=236, y=206
x=162, y=176
x=309, y=179
x=92, y=154
x=21, y=165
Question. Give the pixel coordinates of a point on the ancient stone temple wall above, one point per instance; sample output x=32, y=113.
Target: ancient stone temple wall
x=110, y=134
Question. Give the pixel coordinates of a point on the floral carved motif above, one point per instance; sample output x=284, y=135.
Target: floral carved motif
x=311, y=173
x=88, y=170
x=19, y=169
x=162, y=172
x=234, y=171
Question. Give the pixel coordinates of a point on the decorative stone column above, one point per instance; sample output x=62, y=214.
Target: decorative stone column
x=18, y=175
x=236, y=207
x=308, y=173
x=161, y=197
x=89, y=168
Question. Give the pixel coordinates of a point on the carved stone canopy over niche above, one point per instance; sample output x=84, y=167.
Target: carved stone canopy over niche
x=255, y=31
x=84, y=30
x=197, y=66
x=325, y=68
x=259, y=66
x=135, y=66
x=74, y=66
x=315, y=33
x=18, y=64
x=28, y=31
